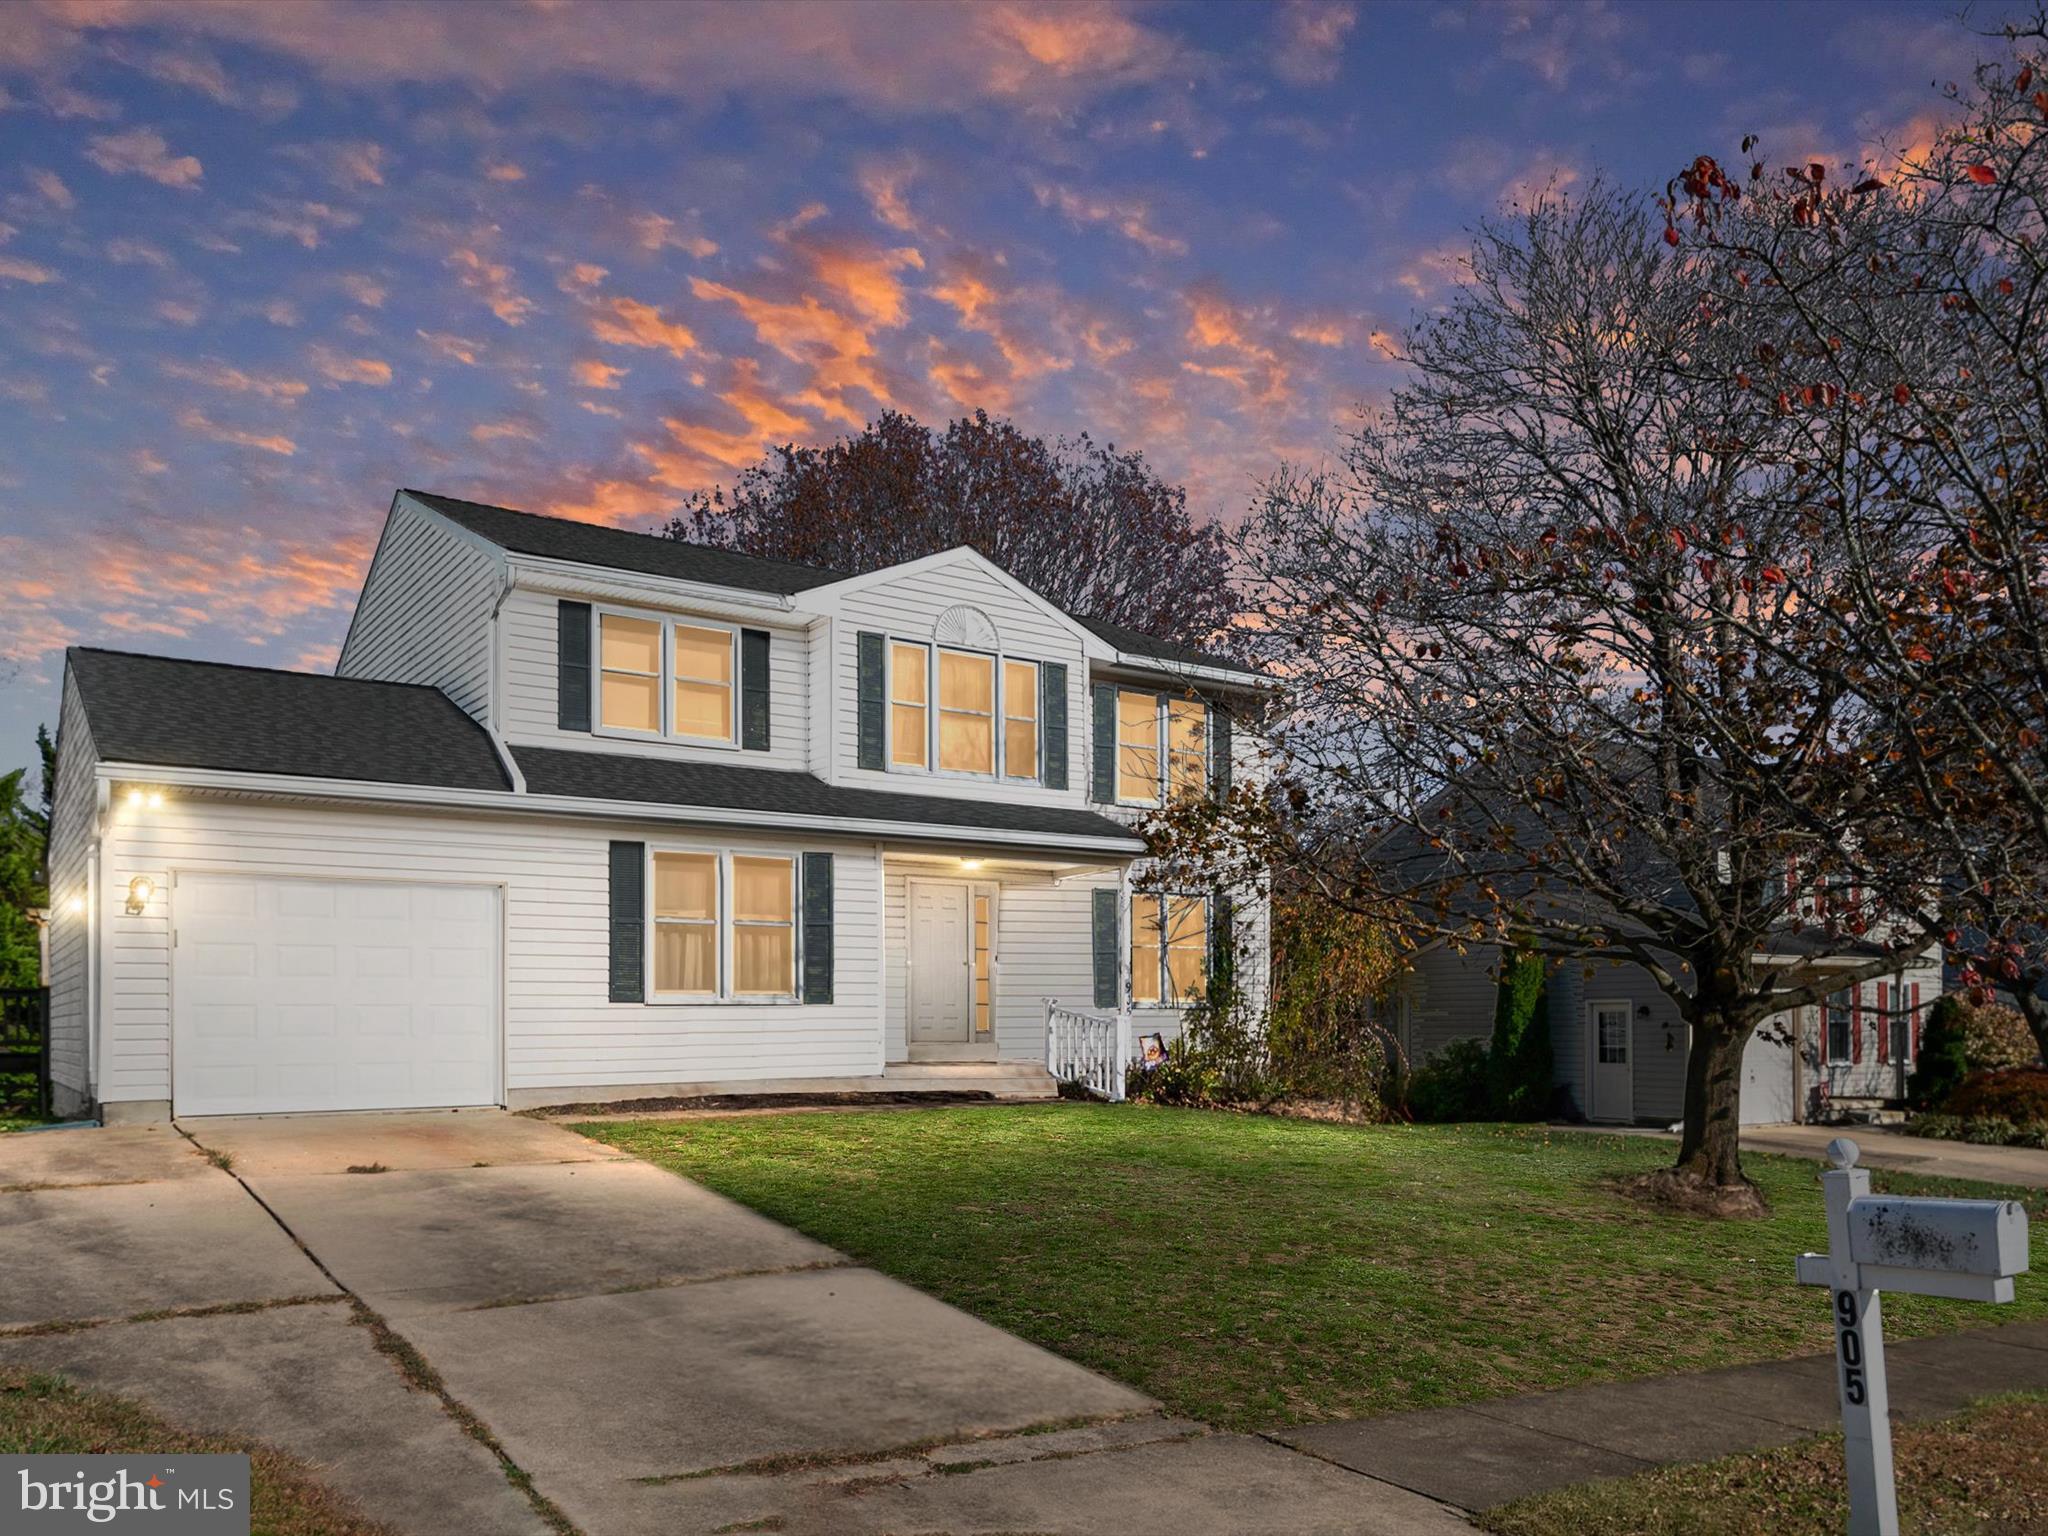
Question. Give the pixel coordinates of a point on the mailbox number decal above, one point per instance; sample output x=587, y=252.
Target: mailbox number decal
x=1850, y=1342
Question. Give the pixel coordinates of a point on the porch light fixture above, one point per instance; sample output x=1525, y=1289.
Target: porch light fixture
x=970, y=863
x=76, y=905
x=140, y=889
x=156, y=799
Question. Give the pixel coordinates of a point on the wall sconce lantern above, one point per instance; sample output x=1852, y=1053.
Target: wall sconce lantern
x=140, y=889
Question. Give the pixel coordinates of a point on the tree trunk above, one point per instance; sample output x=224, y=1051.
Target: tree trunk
x=2034, y=1009
x=1710, y=1148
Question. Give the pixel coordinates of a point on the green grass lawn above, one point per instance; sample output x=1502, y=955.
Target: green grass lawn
x=1251, y=1271
x=1981, y=1471
x=43, y=1415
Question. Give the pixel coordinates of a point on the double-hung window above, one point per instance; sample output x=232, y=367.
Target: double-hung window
x=967, y=712
x=909, y=705
x=629, y=673
x=1137, y=746
x=661, y=678
x=724, y=926
x=1187, y=749
x=704, y=683
x=1020, y=719
x=1169, y=948
x=763, y=927
x=1840, y=1020
x=686, y=906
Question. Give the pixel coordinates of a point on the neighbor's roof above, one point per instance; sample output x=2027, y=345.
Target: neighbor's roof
x=560, y=538
x=169, y=713
x=734, y=787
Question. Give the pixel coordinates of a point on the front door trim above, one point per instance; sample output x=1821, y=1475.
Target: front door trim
x=922, y=967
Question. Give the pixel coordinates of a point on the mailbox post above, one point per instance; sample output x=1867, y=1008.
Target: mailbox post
x=1967, y=1249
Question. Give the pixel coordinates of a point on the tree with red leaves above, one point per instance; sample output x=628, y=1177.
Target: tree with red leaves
x=1088, y=526
x=1898, y=323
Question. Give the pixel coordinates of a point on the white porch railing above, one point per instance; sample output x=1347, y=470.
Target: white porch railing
x=1087, y=1047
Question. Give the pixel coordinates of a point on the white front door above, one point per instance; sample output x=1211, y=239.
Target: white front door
x=292, y=994
x=941, y=964
x=1613, y=1076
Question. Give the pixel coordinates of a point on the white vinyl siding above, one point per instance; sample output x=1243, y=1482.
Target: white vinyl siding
x=559, y=1028
x=531, y=640
x=72, y=844
x=425, y=612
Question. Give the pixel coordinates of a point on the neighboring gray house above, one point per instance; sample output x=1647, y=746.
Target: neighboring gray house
x=1619, y=1046
x=587, y=814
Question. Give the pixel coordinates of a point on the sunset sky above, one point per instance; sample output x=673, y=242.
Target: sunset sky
x=262, y=263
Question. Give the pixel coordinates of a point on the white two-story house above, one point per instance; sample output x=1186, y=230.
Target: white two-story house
x=588, y=815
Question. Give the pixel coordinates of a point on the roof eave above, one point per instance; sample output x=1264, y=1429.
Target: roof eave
x=439, y=797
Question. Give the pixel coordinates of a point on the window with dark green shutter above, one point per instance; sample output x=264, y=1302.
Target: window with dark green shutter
x=572, y=669
x=1219, y=751
x=1108, y=963
x=870, y=681
x=1102, y=780
x=628, y=922
x=1222, y=946
x=754, y=690
x=817, y=928
x=1052, y=715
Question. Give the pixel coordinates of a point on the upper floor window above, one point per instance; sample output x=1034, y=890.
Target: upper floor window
x=704, y=668
x=909, y=704
x=1137, y=745
x=659, y=678
x=1020, y=719
x=629, y=673
x=1162, y=747
x=967, y=712
x=724, y=925
x=1187, y=749
x=1169, y=948
x=946, y=711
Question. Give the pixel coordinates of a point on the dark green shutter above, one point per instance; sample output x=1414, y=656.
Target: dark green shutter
x=1219, y=752
x=572, y=668
x=629, y=923
x=817, y=927
x=754, y=689
x=870, y=729
x=1052, y=723
x=1107, y=982
x=1222, y=945
x=1102, y=783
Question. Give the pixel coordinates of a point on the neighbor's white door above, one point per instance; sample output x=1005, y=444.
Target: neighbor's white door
x=941, y=963
x=1613, y=1080
x=332, y=994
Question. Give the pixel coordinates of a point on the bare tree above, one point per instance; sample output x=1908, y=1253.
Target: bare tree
x=1088, y=526
x=1514, y=659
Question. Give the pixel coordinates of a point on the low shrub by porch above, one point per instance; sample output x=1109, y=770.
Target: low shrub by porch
x=1251, y=1271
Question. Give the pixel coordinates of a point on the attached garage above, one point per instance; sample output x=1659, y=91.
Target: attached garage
x=304, y=994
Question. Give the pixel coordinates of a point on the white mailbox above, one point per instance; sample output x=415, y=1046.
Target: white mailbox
x=1966, y=1249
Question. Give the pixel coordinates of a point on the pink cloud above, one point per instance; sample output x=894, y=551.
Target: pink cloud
x=143, y=152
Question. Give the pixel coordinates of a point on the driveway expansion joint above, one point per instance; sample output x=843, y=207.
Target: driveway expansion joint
x=664, y=1283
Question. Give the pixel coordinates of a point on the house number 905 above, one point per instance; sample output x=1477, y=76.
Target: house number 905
x=1850, y=1341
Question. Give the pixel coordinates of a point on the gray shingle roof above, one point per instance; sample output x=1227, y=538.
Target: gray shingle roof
x=1132, y=643
x=735, y=786
x=560, y=538
x=206, y=714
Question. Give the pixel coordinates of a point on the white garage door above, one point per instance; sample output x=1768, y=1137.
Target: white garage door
x=316, y=994
x=1767, y=1076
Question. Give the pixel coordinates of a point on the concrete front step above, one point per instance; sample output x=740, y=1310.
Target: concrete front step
x=1004, y=1079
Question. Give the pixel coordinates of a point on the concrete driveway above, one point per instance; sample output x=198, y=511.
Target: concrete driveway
x=479, y=1323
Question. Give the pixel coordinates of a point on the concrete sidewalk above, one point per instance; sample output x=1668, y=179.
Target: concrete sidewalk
x=1881, y=1148
x=1482, y=1454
